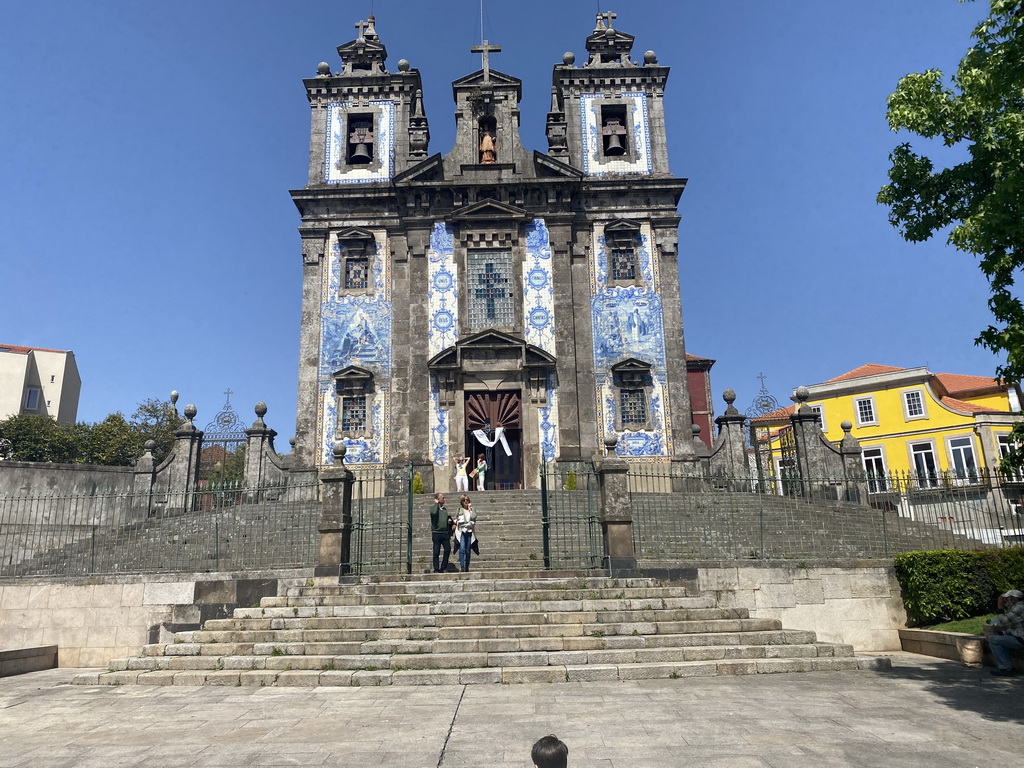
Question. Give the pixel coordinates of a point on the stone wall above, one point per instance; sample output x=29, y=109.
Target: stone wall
x=97, y=619
x=857, y=602
x=22, y=478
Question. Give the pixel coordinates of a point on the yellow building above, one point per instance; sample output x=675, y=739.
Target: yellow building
x=908, y=421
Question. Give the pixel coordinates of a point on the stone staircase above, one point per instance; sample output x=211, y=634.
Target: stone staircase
x=482, y=627
x=508, y=529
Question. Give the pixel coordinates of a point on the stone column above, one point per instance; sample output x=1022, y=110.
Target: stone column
x=853, y=466
x=183, y=469
x=259, y=441
x=688, y=472
x=730, y=451
x=616, y=513
x=334, y=556
x=142, y=487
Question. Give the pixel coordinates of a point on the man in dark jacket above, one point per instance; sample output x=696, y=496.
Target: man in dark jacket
x=440, y=533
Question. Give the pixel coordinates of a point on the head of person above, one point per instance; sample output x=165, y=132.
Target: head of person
x=550, y=752
x=439, y=498
x=480, y=457
x=464, y=500
x=1012, y=597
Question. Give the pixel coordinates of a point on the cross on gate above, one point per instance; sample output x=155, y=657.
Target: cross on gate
x=491, y=281
x=228, y=393
x=484, y=48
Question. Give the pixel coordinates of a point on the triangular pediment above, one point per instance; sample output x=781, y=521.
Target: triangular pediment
x=632, y=365
x=353, y=373
x=497, y=79
x=359, y=48
x=355, y=233
x=496, y=341
x=549, y=166
x=431, y=169
x=490, y=210
x=622, y=227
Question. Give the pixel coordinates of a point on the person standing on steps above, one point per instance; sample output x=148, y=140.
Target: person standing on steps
x=440, y=533
x=461, y=479
x=465, y=532
x=479, y=472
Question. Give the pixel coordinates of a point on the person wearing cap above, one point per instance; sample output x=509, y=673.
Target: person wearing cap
x=1009, y=637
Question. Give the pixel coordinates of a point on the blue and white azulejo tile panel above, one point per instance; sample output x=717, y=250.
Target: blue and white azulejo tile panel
x=547, y=419
x=538, y=288
x=442, y=290
x=638, y=159
x=336, y=170
x=628, y=322
x=355, y=329
x=438, y=427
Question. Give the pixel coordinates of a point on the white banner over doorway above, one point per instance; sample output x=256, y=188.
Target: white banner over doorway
x=499, y=437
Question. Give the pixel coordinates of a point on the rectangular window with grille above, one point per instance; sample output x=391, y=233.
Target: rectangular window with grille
x=357, y=272
x=489, y=291
x=623, y=263
x=353, y=413
x=865, y=410
x=634, y=407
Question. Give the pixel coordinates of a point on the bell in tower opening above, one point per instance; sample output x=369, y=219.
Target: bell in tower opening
x=488, y=147
x=360, y=140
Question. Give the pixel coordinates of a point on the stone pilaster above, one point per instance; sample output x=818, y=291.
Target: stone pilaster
x=334, y=555
x=616, y=513
x=259, y=442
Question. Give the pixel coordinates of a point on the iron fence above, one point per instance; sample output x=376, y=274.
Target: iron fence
x=382, y=521
x=214, y=527
x=571, y=525
x=679, y=516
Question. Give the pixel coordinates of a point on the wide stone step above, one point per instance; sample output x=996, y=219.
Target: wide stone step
x=484, y=675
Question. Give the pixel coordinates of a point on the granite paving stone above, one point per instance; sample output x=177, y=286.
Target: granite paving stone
x=924, y=712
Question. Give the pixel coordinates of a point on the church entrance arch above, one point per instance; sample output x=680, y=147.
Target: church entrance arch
x=486, y=412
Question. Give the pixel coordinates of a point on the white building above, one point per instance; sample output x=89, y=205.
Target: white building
x=39, y=381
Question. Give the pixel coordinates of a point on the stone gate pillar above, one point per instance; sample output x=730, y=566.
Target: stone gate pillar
x=334, y=555
x=616, y=512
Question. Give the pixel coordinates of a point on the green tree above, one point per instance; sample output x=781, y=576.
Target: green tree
x=40, y=438
x=979, y=201
x=156, y=420
x=112, y=442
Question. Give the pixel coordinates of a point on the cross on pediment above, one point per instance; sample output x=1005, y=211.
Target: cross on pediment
x=608, y=16
x=361, y=26
x=485, y=49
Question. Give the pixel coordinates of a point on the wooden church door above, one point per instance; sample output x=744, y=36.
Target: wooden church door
x=486, y=411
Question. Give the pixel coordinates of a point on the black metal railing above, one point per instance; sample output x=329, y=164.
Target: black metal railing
x=382, y=510
x=570, y=518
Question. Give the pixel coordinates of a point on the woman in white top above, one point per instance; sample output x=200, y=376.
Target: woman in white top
x=461, y=478
x=465, y=532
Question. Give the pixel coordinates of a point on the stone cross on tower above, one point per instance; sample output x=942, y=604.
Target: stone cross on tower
x=608, y=16
x=361, y=26
x=486, y=49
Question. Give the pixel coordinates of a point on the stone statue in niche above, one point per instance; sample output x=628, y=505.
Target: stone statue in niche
x=488, y=147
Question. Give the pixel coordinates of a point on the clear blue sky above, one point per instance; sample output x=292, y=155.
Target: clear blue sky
x=147, y=150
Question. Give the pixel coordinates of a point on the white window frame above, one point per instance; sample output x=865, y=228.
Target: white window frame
x=33, y=396
x=1004, y=444
x=965, y=476
x=879, y=482
x=904, y=399
x=873, y=422
x=923, y=480
x=819, y=409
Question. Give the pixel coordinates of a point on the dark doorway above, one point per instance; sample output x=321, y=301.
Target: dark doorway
x=486, y=411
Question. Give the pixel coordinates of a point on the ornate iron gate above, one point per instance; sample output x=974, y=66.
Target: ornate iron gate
x=222, y=459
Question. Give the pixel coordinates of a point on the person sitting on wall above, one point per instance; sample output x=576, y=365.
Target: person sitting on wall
x=1009, y=632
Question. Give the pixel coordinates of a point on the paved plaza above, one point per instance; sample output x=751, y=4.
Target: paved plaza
x=923, y=712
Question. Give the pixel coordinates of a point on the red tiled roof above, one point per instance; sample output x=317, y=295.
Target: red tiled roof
x=960, y=405
x=956, y=383
x=695, y=358
x=25, y=350
x=778, y=413
x=865, y=370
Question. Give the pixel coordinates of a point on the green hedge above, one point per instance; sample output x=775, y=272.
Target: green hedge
x=948, y=585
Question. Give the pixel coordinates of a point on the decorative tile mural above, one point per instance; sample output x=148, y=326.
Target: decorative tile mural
x=443, y=331
x=627, y=322
x=639, y=158
x=547, y=418
x=355, y=329
x=335, y=170
x=538, y=288
x=442, y=290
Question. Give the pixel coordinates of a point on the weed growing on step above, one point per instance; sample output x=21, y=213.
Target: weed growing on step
x=277, y=651
x=597, y=633
x=330, y=666
x=675, y=675
x=295, y=611
x=309, y=582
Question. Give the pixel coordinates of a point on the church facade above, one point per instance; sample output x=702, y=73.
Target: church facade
x=495, y=300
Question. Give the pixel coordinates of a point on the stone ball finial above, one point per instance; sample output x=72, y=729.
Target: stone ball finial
x=650, y=57
x=610, y=441
x=802, y=394
x=846, y=426
x=174, y=397
x=323, y=69
x=729, y=396
x=568, y=58
x=190, y=411
x=609, y=33
x=292, y=442
x=403, y=65
x=695, y=429
x=149, y=445
x=339, y=450
x=261, y=409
